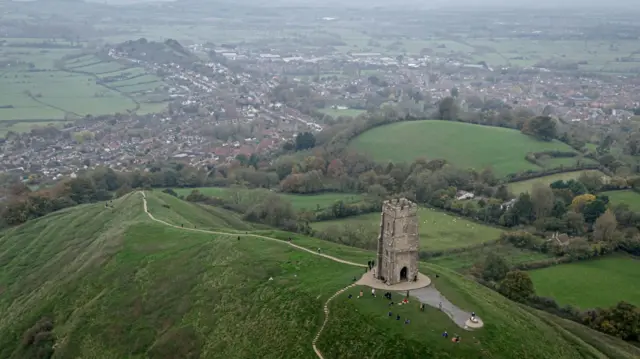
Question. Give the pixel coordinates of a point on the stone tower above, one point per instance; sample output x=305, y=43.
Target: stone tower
x=398, y=242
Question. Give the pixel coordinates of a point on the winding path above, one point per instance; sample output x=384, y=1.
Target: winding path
x=428, y=295
x=144, y=200
x=326, y=304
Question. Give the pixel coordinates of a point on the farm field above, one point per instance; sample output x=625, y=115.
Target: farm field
x=628, y=197
x=20, y=127
x=566, y=162
x=32, y=98
x=348, y=112
x=463, y=261
x=589, y=284
x=94, y=270
x=527, y=185
x=475, y=146
x=299, y=202
x=438, y=230
x=37, y=95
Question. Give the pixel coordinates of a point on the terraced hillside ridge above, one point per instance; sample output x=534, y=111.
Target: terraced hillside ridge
x=474, y=146
x=100, y=282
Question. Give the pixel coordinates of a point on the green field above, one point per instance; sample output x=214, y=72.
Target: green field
x=590, y=284
x=464, y=261
x=19, y=127
x=527, y=185
x=438, y=230
x=348, y=112
x=628, y=197
x=32, y=96
x=116, y=284
x=299, y=202
x=462, y=144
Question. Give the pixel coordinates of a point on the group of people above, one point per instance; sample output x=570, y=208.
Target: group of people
x=405, y=300
x=371, y=264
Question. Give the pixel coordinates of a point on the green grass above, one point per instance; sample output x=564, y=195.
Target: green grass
x=590, y=284
x=118, y=285
x=348, y=112
x=98, y=68
x=474, y=146
x=81, y=96
x=179, y=212
x=438, y=230
x=463, y=261
x=566, y=162
x=628, y=197
x=511, y=331
x=299, y=202
x=134, y=80
x=527, y=185
x=20, y=127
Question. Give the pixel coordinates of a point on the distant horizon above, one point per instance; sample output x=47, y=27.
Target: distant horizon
x=443, y=4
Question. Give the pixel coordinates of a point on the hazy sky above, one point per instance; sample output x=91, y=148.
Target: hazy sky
x=577, y=4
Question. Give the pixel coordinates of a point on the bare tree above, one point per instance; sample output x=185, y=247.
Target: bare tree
x=605, y=226
x=543, y=199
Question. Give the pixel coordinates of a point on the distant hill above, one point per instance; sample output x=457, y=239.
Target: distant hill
x=464, y=145
x=108, y=282
x=159, y=52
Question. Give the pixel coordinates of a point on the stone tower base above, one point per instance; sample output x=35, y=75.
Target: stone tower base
x=370, y=281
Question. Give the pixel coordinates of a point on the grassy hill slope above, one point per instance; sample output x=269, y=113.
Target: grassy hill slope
x=115, y=284
x=179, y=212
x=474, y=146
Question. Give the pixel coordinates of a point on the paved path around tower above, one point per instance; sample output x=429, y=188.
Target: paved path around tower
x=432, y=297
x=369, y=281
x=326, y=304
x=427, y=294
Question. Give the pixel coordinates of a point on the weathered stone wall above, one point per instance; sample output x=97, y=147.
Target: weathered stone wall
x=398, y=243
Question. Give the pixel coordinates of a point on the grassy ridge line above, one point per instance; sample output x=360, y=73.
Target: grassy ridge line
x=144, y=201
x=326, y=304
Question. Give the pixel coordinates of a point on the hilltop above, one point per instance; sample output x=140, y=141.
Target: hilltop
x=102, y=282
x=160, y=52
x=464, y=145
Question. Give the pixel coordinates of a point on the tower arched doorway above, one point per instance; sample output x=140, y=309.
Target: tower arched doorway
x=403, y=274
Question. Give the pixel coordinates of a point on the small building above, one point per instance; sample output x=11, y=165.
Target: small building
x=463, y=195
